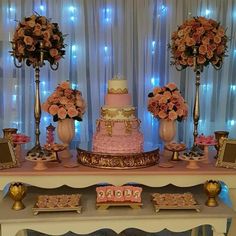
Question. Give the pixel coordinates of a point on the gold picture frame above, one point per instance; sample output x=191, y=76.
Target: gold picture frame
x=7, y=154
x=227, y=153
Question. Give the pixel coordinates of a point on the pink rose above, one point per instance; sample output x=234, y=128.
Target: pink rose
x=62, y=113
x=46, y=34
x=53, y=109
x=64, y=100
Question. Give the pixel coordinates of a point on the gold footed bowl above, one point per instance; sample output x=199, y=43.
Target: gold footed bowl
x=212, y=189
x=17, y=192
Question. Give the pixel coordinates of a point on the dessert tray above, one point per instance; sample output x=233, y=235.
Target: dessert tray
x=55, y=203
x=175, y=201
x=193, y=158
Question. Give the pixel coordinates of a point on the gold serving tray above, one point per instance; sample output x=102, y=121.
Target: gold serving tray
x=37, y=210
x=106, y=205
x=168, y=206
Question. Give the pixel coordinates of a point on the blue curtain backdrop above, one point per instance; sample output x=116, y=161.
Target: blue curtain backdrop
x=109, y=37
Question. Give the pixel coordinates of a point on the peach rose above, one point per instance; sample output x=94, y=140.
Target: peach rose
x=53, y=109
x=181, y=47
x=190, y=61
x=72, y=112
x=172, y=115
x=220, y=49
x=21, y=32
x=53, y=52
x=209, y=54
x=46, y=34
x=180, y=112
x=37, y=32
x=203, y=49
x=47, y=44
x=171, y=86
x=221, y=32
x=205, y=40
x=28, y=40
x=200, y=30
x=163, y=100
x=190, y=42
x=30, y=23
x=162, y=115
x=201, y=60
x=65, y=84
x=45, y=106
x=62, y=113
x=217, y=39
x=63, y=100
x=21, y=49
x=56, y=37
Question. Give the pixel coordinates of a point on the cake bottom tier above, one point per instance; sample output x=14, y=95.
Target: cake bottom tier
x=118, y=144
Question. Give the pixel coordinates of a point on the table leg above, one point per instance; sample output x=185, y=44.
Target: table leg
x=232, y=228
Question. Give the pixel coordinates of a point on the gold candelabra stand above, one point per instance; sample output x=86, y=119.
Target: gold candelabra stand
x=196, y=108
x=37, y=150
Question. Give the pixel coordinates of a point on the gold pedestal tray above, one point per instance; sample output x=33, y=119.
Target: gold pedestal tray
x=57, y=203
x=175, y=201
x=118, y=161
x=106, y=205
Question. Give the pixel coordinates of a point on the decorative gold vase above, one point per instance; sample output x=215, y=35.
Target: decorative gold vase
x=66, y=132
x=212, y=188
x=17, y=192
x=167, y=130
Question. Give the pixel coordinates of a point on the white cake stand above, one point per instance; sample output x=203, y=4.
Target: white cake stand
x=193, y=161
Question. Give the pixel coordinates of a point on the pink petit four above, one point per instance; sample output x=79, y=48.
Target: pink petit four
x=101, y=194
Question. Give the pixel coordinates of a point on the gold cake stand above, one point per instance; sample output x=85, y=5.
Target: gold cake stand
x=119, y=160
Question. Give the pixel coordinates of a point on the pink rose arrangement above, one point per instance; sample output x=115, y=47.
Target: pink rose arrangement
x=167, y=103
x=206, y=35
x=64, y=103
x=32, y=31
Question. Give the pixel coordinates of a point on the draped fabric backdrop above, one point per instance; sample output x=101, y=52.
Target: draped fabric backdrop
x=110, y=37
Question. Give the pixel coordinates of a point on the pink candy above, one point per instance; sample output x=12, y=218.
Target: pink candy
x=20, y=138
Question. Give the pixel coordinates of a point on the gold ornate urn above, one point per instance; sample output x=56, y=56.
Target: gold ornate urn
x=17, y=192
x=212, y=189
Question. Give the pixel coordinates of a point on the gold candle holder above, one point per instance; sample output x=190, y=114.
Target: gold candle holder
x=212, y=188
x=218, y=136
x=17, y=192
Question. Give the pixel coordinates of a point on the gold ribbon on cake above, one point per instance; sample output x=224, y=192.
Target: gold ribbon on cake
x=109, y=124
x=128, y=127
x=116, y=112
x=117, y=91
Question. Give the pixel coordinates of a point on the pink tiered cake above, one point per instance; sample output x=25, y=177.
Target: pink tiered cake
x=117, y=130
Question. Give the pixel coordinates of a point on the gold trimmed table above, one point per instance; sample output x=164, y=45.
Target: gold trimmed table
x=81, y=177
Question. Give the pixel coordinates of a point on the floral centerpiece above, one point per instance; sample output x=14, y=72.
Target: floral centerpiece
x=167, y=103
x=64, y=103
x=206, y=35
x=36, y=34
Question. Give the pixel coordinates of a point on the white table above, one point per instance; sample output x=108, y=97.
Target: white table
x=82, y=176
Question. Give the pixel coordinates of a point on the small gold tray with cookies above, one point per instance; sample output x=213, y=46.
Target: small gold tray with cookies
x=56, y=203
x=175, y=201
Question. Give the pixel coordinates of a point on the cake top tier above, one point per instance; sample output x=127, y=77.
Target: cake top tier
x=117, y=85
